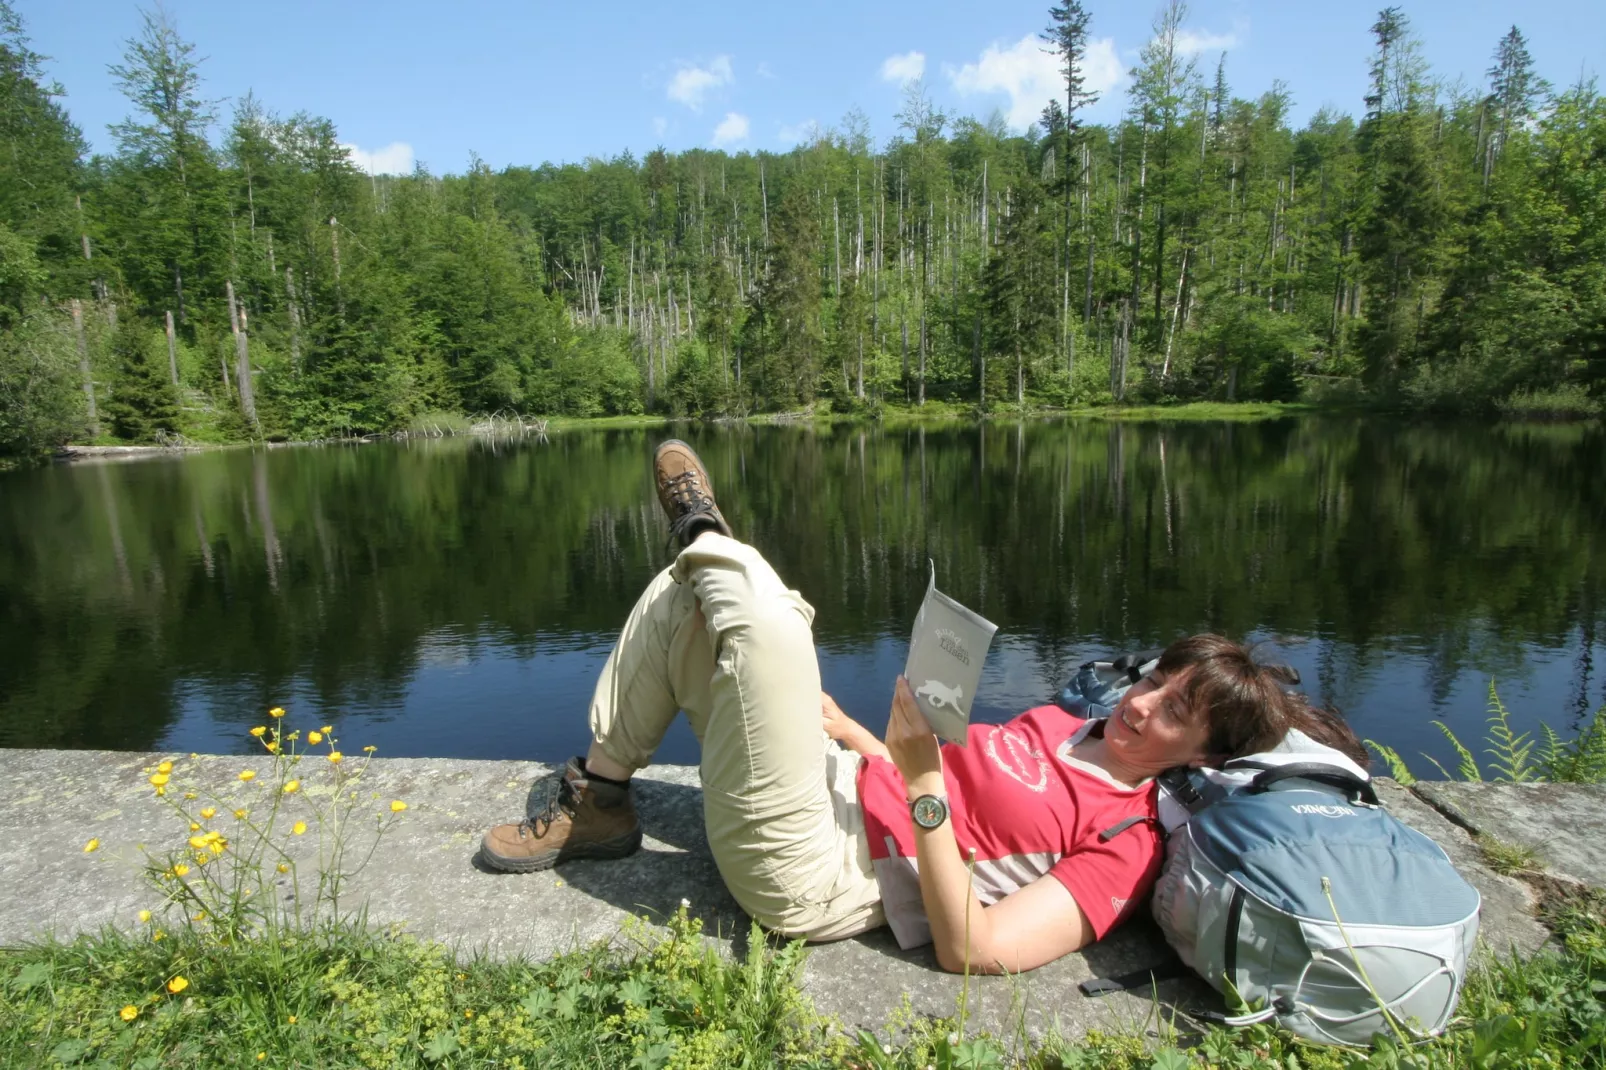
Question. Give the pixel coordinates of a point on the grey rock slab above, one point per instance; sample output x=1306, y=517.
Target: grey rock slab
x=1564, y=824
x=424, y=878
x=1506, y=922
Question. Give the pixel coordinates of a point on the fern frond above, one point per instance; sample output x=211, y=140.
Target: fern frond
x=1554, y=756
x=1439, y=766
x=1397, y=767
x=1510, y=751
x=1585, y=761
x=1469, y=765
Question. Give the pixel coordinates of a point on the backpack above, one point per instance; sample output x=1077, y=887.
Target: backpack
x=1290, y=889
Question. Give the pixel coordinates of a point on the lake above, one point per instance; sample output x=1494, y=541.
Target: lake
x=456, y=598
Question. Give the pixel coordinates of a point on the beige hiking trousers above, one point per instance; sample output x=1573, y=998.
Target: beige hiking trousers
x=717, y=634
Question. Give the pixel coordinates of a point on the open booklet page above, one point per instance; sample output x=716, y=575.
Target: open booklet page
x=946, y=652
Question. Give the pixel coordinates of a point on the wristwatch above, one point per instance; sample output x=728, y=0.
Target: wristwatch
x=929, y=811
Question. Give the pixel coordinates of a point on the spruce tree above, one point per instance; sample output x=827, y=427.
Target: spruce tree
x=143, y=401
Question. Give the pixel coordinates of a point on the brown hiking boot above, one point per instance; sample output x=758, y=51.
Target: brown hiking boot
x=685, y=492
x=583, y=818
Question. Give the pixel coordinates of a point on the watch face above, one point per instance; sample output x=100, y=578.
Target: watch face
x=929, y=811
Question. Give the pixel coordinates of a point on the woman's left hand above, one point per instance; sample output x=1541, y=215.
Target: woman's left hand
x=912, y=743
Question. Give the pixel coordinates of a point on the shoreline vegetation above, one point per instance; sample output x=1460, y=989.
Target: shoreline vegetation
x=231, y=276
x=453, y=425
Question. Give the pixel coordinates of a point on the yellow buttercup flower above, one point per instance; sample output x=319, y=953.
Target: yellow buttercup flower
x=92, y=845
x=128, y=1013
x=370, y=748
x=247, y=774
x=198, y=843
x=144, y=915
x=160, y=790
x=315, y=736
x=298, y=828
x=397, y=807
x=159, y=779
x=259, y=731
x=189, y=794
x=261, y=1055
x=292, y=786
x=239, y=815
x=326, y=729
x=179, y=869
x=277, y=711
x=177, y=984
x=194, y=827
x=208, y=812
x=273, y=746
x=157, y=935
x=291, y=1020
x=335, y=757
x=282, y=868
x=165, y=767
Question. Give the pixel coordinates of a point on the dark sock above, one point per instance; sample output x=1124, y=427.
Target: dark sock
x=600, y=779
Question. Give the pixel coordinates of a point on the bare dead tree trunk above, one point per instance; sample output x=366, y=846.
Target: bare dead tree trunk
x=922, y=390
x=860, y=389
x=1176, y=313
x=172, y=350
x=836, y=245
x=764, y=196
x=905, y=323
x=242, y=355
x=295, y=319
x=83, y=364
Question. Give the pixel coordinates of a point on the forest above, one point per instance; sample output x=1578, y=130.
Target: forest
x=234, y=277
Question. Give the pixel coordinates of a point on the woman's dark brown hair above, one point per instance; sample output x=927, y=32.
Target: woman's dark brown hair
x=1248, y=705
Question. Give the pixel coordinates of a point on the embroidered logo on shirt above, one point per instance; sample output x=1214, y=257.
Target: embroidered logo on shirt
x=1117, y=904
x=1015, y=756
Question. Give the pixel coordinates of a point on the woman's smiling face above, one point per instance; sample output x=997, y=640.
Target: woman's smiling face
x=1153, y=730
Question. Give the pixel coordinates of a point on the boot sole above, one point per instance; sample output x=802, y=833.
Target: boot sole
x=618, y=847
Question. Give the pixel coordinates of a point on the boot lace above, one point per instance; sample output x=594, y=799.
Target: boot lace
x=693, y=506
x=560, y=802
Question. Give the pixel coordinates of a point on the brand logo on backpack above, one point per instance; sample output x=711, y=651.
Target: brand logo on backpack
x=1322, y=810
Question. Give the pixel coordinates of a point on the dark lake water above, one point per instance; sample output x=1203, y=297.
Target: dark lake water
x=456, y=598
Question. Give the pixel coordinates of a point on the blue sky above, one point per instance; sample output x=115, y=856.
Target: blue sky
x=526, y=82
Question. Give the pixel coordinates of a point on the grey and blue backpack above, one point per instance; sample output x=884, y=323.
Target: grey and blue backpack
x=1290, y=889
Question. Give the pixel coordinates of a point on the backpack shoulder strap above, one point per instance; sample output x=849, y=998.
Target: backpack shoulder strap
x=1180, y=786
x=1121, y=826
x=1168, y=970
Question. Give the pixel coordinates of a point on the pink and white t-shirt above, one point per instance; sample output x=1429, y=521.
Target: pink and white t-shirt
x=1029, y=806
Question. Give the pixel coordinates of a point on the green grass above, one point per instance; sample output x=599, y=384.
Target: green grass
x=343, y=996
x=1507, y=858
x=1202, y=410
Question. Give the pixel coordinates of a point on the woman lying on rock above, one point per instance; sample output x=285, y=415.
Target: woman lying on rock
x=827, y=835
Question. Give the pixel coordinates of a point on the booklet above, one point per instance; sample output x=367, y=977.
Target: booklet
x=946, y=652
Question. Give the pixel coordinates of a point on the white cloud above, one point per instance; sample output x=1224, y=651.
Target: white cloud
x=903, y=68
x=690, y=84
x=1031, y=76
x=394, y=159
x=732, y=128
x=1192, y=42
x=795, y=133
